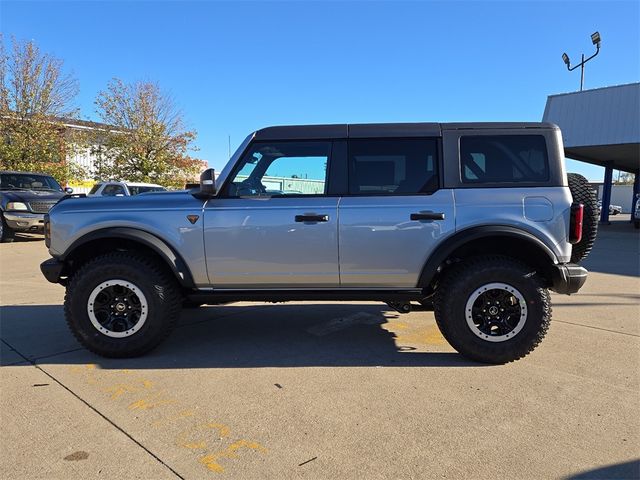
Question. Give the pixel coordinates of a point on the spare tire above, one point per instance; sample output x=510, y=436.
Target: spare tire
x=583, y=193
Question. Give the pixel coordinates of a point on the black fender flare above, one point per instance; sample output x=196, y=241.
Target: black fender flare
x=458, y=239
x=172, y=258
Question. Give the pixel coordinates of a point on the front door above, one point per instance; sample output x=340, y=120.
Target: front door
x=273, y=224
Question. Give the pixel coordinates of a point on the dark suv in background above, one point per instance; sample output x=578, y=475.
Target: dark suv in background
x=24, y=199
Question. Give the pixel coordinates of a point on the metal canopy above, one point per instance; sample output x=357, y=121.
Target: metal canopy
x=600, y=126
x=621, y=157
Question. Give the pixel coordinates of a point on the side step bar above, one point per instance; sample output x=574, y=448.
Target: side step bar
x=225, y=296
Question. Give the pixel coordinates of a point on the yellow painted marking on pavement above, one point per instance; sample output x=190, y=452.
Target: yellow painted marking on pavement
x=223, y=430
x=121, y=388
x=398, y=324
x=211, y=460
x=194, y=438
x=196, y=442
x=424, y=336
x=83, y=368
x=178, y=416
x=421, y=336
x=150, y=403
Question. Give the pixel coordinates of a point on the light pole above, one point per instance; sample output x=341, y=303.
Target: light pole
x=595, y=39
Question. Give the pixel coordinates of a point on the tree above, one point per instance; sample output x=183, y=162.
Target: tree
x=625, y=178
x=147, y=140
x=35, y=97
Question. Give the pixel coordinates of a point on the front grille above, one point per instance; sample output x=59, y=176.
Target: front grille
x=41, y=207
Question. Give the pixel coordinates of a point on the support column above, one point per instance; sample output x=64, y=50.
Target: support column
x=606, y=195
x=636, y=191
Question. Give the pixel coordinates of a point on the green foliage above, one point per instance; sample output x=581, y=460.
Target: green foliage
x=146, y=140
x=34, y=96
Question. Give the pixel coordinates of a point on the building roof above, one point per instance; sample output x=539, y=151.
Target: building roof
x=599, y=126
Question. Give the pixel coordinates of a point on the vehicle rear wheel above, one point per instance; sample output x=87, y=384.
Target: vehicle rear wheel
x=583, y=193
x=122, y=304
x=7, y=234
x=492, y=309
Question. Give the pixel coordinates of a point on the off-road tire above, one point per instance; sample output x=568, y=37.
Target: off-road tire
x=7, y=235
x=158, y=286
x=583, y=193
x=458, y=285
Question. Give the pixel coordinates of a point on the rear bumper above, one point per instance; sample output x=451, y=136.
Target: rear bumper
x=568, y=278
x=52, y=270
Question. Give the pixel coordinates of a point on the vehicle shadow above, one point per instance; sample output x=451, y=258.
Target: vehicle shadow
x=627, y=470
x=27, y=237
x=249, y=336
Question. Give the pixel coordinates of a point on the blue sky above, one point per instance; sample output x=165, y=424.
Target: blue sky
x=234, y=67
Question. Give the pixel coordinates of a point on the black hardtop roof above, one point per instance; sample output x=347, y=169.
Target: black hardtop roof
x=372, y=130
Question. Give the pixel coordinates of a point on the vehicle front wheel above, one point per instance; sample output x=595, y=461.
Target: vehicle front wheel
x=7, y=234
x=122, y=304
x=492, y=309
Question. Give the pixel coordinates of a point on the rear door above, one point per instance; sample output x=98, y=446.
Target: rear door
x=274, y=224
x=394, y=215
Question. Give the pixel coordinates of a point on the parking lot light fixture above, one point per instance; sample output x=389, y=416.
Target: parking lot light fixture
x=595, y=39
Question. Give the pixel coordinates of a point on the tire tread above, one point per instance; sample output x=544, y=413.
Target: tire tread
x=476, y=265
x=172, y=298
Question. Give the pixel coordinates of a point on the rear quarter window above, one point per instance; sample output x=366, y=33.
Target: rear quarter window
x=503, y=159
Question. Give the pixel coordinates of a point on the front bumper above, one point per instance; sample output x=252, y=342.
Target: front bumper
x=52, y=270
x=24, y=221
x=568, y=278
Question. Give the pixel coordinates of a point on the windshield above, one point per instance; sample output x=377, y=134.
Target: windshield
x=27, y=181
x=138, y=190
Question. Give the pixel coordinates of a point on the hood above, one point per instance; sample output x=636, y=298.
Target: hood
x=146, y=201
x=26, y=196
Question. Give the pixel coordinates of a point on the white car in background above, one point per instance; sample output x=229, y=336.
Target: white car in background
x=123, y=189
x=613, y=209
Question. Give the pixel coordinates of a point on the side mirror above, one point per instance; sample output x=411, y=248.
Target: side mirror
x=68, y=190
x=207, y=184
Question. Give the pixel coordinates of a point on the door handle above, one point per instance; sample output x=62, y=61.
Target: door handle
x=312, y=217
x=427, y=216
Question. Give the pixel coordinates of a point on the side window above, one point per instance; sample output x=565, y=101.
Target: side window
x=503, y=159
x=393, y=166
x=282, y=169
x=112, y=190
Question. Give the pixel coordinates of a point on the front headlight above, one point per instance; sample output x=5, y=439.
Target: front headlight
x=17, y=206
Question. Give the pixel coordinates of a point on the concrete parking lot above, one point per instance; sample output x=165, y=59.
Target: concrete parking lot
x=326, y=390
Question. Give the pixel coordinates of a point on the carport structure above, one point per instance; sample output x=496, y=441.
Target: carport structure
x=601, y=126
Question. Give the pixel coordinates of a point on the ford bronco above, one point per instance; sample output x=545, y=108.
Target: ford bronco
x=477, y=221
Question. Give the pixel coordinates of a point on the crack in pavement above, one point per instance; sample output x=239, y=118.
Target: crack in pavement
x=596, y=328
x=35, y=365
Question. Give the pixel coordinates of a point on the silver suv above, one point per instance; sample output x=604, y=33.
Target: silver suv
x=476, y=221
